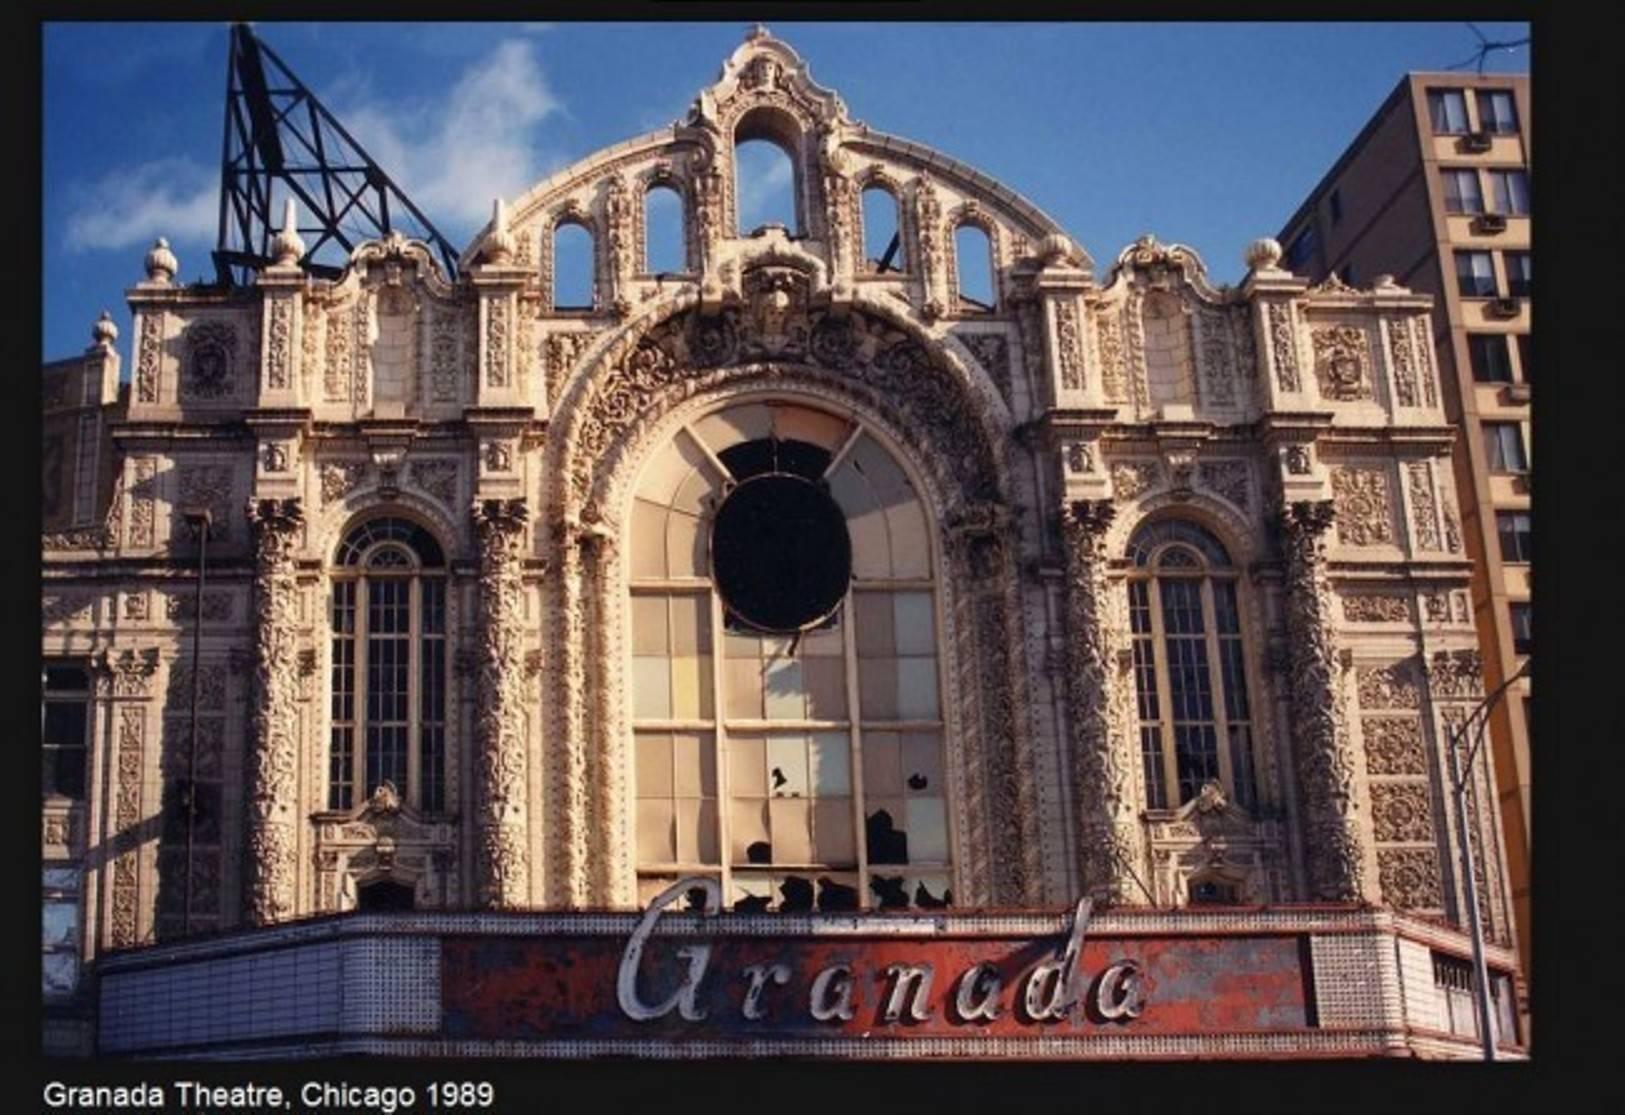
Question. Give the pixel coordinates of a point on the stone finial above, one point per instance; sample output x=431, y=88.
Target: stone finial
x=757, y=32
x=286, y=245
x=499, y=242
x=1057, y=248
x=162, y=265
x=1263, y=255
x=104, y=332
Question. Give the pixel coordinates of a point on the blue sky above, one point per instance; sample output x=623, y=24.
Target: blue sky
x=1204, y=134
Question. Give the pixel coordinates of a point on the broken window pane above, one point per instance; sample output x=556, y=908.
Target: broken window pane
x=787, y=766
x=922, y=763
x=930, y=892
x=887, y=842
x=748, y=840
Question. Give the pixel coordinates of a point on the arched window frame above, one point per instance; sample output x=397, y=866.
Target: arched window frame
x=388, y=571
x=879, y=181
x=1178, y=564
x=972, y=216
x=571, y=215
x=718, y=720
x=783, y=130
x=663, y=179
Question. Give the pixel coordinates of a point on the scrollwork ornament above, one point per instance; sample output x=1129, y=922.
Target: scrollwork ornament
x=279, y=352
x=1320, y=734
x=1103, y=781
x=1403, y=363
x=1069, y=346
x=501, y=882
x=1363, y=509
x=146, y=367
x=1342, y=363
x=272, y=797
x=1283, y=346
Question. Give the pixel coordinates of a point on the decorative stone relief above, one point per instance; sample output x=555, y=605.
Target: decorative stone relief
x=502, y=872
x=499, y=456
x=1436, y=605
x=67, y=608
x=1402, y=362
x=1424, y=359
x=272, y=779
x=1456, y=675
x=563, y=350
x=1410, y=878
x=146, y=362
x=1391, y=686
x=205, y=486
x=1228, y=480
x=1393, y=745
x=1111, y=840
x=209, y=366
x=438, y=478
x=496, y=343
x=1283, y=347
x=1078, y=458
x=127, y=813
x=279, y=344
x=275, y=456
x=182, y=606
x=135, y=606
x=340, y=478
x=992, y=352
x=339, y=369
x=1342, y=362
x=143, y=501
x=125, y=673
x=1319, y=725
x=211, y=690
x=312, y=342
x=1297, y=460
x=1452, y=527
x=618, y=240
x=1362, y=500
x=1110, y=332
x=1132, y=478
x=928, y=234
x=1375, y=607
x=445, y=341
x=1400, y=813
x=1218, y=376
x=1424, y=515
x=1069, y=346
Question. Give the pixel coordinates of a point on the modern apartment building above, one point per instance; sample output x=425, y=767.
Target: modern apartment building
x=1435, y=191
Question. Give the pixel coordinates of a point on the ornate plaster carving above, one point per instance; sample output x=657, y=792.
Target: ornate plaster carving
x=1386, y=687
x=1424, y=514
x=1375, y=607
x=1342, y=362
x=1283, y=346
x=1364, y=515
x=210, y=359
x=1410, y=878
x=1393, y=745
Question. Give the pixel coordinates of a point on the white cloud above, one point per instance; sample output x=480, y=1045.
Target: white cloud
x=453, y=155
x=172, y=197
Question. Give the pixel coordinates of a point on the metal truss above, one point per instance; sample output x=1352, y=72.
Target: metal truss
x=277, y=131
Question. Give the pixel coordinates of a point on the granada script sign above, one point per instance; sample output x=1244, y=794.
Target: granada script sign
x=804, y=983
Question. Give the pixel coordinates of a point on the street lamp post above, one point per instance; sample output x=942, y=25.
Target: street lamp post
x=1459, y=772
x=200, y=521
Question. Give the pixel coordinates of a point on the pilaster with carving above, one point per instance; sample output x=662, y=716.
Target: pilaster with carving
x=273, y=804
x=1111, y=841
x=1322, y=750
x=501, y=857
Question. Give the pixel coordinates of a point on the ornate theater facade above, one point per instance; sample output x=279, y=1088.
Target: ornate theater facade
x=855, y=625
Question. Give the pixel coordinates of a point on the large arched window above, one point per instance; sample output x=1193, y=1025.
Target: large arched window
x=1190, y=665
x=787, y=716
x=389, y=666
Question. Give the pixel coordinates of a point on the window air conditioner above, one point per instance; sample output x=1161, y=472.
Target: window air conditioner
x=1502, y=307
x=1477, y=142
x=1489, y=222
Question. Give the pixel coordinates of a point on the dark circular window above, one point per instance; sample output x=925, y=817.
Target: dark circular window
x=780, y=552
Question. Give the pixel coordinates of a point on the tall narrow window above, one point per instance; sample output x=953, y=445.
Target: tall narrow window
x=1503, y=445
x=1520, y=274
x=1475, y=274
x=572, y=268
x=1515, y=530
x=388, y=666
x=1510, y=188
x=882, y=234
x=1523, y=627
x=1526, y=358
x=1487, y=353
x=1447, y=109
x=1496, y=111
x=1190, y=666
x=765, y=186
x=664, y=250
x=787, y=719
x=973, y=260
x=65, y=727
x=1461, y=192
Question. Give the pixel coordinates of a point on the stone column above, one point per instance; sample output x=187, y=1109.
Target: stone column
x=1111, y=837
x=502, y=859
x=273, y=783
x=1322, y=751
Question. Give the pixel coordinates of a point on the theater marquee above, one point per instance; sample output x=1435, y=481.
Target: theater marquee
x=682, y=980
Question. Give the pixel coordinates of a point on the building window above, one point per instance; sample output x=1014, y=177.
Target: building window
x=1335, y=203
x=1520, y=274
x=388, y=666
x=1453, y=978
x=973, y=263
x=65, y=727
x=1523, y=627
x=1526, y=358
x=1461, y=193
x=59, y=930
x=664, y=249
x=1510, y=189
x=1514, y=529
x=1190, y=670
x=1475, y=274
x=1447, y=109
x=1302, y=248
x=1487, y=353
x=882, y=232
x=573, y=267
x=788, y=744
x=1496, y=112
x=1503, y=445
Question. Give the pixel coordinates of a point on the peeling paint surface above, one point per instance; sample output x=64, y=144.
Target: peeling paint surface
x=564, y=988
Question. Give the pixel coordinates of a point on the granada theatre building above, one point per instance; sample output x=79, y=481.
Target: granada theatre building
x=791, y=653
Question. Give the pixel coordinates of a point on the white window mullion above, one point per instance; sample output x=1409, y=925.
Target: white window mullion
x=1165, y=702
x=358, y=765
x=414, y=624
x=1221, y=710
